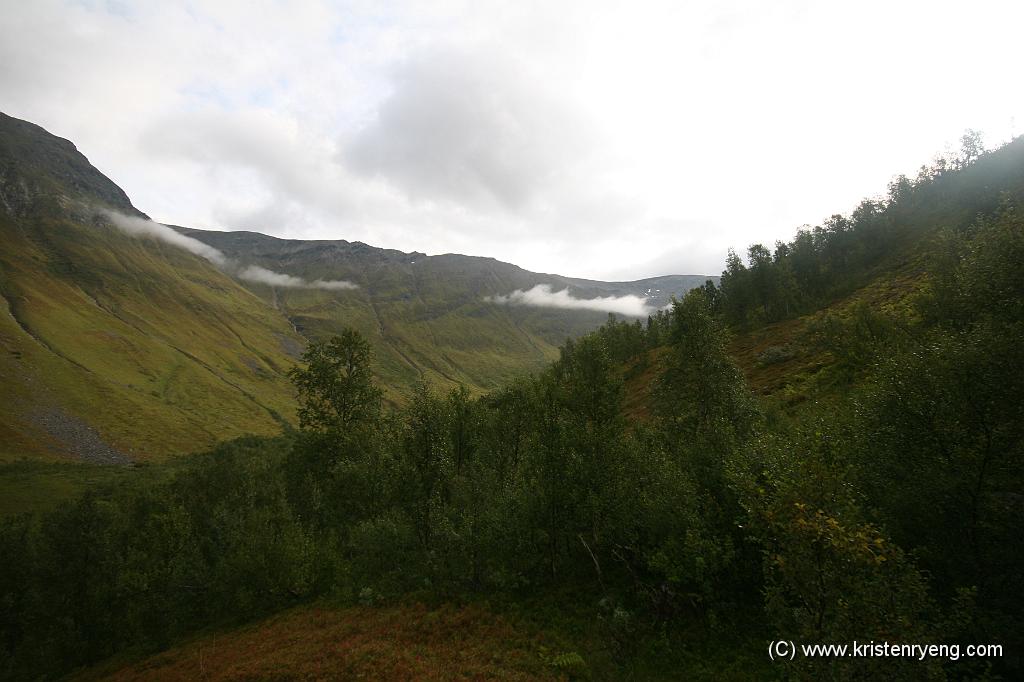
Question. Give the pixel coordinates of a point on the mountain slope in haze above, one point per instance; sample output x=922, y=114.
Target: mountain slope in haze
x=116, y=348
x=802, y=319
x=430, y=316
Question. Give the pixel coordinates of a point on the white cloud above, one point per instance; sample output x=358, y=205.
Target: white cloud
x=541, y=296
x=583, y=138
x=254, y=273
x=140, y=227
x=332, y=284
x=470, y=127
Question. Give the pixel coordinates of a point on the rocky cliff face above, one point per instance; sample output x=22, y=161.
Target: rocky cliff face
x=36, y=165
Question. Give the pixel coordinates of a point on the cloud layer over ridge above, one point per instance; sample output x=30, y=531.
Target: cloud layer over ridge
x=541, y=296
x=140, y=227
x=601, y=139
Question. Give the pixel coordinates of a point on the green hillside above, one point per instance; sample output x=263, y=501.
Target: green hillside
x=131, y=343
x=117, y=348
x=428, y=316
x=826, y=448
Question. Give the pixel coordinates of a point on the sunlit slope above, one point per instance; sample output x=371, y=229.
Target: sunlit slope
x=431, y=323
x=119, y=348
x=113, y=348
x=429, y=317
x=154, y=348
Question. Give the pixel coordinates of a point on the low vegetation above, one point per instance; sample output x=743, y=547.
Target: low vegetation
x=403, y=642
x=884, y=505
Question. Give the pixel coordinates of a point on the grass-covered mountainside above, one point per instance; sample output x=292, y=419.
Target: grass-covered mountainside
x=117, y=348
x=827, y=448
x=429, y=317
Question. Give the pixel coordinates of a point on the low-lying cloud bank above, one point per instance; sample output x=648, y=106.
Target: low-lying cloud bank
x=254, y=273
x=541, y=296
x=140, y=227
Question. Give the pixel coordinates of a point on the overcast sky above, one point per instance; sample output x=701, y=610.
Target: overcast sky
x=591, y=139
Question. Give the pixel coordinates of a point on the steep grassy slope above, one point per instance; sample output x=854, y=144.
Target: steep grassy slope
x=149, y=348
x=116, y=348
x=429, y=316
x=787, y=363
x=874, y=262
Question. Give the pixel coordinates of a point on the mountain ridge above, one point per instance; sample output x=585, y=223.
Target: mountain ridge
x=231, y=242
x=155, y=350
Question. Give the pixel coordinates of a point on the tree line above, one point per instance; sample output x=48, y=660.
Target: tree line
x=828, y=261
x=890, y=513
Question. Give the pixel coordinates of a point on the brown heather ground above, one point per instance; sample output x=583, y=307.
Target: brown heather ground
x=412, y=642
